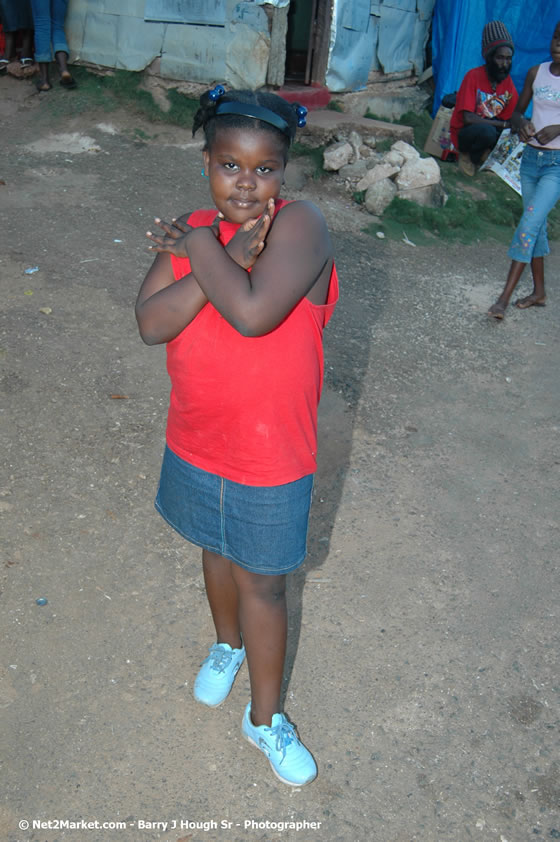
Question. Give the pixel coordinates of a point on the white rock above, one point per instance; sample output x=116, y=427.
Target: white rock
x=406, y=150
x=418, y=173
x=337, y=155
x=431, y=196
x=355, y=141
x=377, y=173
x=355, y=170
x=379, y=195
x=395, y=158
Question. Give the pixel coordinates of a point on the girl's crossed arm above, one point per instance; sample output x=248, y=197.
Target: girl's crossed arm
x=165, y=306
x=297, y=262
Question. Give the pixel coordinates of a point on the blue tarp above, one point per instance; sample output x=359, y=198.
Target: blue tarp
x=457, y=34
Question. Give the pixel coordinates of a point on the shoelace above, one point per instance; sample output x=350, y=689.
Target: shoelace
x=285, y=734
x=220, y=658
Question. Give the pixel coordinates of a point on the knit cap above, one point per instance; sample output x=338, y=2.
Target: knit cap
x=495, y=35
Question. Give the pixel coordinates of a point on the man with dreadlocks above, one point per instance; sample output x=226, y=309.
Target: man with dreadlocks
x=485, y=101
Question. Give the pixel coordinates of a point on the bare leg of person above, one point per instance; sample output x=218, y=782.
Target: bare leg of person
x=538, y=296
x=27, y=43
x=43, y=84
x=498, y=309
x=66, y=78
x=221, y=591
x=264, y=627
x=10, y=46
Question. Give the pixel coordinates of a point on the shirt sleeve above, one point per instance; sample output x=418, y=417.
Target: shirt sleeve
x=466, y=97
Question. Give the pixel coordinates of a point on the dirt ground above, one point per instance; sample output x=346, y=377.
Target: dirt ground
x=425, y=621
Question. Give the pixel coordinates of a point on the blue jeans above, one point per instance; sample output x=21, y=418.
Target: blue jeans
x=48, y=17
x=540, y=186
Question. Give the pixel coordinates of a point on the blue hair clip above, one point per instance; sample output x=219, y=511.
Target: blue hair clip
x=216, y=93
x=302, y=114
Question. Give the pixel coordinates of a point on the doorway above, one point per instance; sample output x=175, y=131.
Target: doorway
x=307, y=41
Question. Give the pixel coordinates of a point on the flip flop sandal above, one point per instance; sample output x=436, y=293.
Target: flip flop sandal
x=525, y=303
x=3, y=65
x=26, y=62
x=43, y=87
x=68, y=83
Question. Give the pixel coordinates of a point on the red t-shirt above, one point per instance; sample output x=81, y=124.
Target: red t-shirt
x=476, y=95
x=245, y=408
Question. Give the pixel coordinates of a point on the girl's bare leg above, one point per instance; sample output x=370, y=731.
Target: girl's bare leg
x=538, y=296
x=222, y=594
x=264, y=627
x=497, y=310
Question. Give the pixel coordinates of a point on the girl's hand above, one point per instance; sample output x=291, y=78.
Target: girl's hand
x=547, y=134
x=249, y=241
x=173, y=241
x=526, y=131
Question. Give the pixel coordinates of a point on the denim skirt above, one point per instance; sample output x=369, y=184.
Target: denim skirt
x=261, y=528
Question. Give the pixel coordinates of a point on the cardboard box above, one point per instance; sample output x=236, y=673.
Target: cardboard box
x=438, y=142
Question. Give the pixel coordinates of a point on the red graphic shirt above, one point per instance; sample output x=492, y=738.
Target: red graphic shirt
x=476, y=95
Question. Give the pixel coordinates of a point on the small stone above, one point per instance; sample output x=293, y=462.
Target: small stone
x=379, y=196
x=374, y=159
x=42, y=600
x=296, y=173
x=377, y=173
x=355, y=170
x=430, y=196
x=355, y=141
x=380, y=234
x=46, y=310
x=337, y=155
x=418, y=172
x=408, y=152
x=395, y=158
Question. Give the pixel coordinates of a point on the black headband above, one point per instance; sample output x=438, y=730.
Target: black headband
x=256, y=111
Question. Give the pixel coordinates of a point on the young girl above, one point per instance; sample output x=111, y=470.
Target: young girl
x=540, y=178
x=241, y=294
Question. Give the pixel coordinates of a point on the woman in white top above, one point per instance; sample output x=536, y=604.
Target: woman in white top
x=540, y=178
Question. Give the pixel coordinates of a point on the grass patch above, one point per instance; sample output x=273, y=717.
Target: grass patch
x=466, y=218
x=122, y=89
x=335, y=105
x=420, y=124
x=371, y=115
x=314, y=153
x=384, y=144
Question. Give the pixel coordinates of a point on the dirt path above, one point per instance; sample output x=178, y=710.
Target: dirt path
x=426, y=619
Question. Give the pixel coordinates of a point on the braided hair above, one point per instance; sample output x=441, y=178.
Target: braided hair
x=207, y=118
